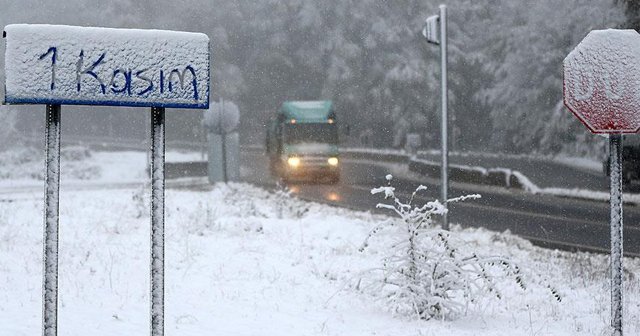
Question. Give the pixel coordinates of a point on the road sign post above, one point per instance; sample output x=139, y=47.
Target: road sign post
x=55, y=65
x=51, y=210
x=157, y=220
x=221, y=122
x=601, y=89
x=430, y=33
x=615, y=152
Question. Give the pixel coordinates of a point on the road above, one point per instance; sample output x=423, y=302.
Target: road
x=543, y=219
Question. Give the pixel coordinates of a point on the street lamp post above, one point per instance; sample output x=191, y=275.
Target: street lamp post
x=430, y=32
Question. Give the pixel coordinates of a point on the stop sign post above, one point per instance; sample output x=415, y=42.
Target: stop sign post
x=602, y=88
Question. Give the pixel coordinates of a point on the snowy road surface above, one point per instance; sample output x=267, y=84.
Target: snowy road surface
x=546, y=220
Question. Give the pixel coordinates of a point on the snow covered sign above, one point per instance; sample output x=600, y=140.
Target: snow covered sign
x=602, y=89
x=602, y=81
x=49, y=64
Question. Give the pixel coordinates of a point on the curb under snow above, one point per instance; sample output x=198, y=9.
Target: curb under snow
x=504, y=177
x=500, y=177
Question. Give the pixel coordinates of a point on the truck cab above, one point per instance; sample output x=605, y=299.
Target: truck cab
x=302, y=142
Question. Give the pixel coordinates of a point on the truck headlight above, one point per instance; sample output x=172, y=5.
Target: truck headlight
x=333, y=161
x=293, y=162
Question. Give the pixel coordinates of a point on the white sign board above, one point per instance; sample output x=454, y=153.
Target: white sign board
x=430, y=30
x=48, y=64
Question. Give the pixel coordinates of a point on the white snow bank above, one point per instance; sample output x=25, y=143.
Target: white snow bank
x=589, y=194
x=572, y=193
x=105, y=66
x=80, y=166
x=183, y=156
x=27, y=163
x=233, y=268
x=580, y=163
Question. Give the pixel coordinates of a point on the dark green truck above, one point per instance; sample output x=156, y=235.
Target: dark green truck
x=302, y=142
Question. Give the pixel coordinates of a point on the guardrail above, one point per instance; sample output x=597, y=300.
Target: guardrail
x=477, y=175
x=375, y=154
x=500, y=177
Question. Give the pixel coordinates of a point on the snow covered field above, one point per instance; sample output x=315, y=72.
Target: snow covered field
x=81, y=166
x=235, y=268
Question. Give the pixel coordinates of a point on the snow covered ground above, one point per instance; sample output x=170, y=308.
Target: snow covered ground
x=80, y=166
x=235, y=268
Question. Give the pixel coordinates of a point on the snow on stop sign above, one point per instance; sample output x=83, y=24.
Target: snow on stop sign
x=602, y=81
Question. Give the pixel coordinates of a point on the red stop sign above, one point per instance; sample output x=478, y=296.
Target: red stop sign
x=602, y=81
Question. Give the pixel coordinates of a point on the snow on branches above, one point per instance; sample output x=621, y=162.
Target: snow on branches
x=429, y=273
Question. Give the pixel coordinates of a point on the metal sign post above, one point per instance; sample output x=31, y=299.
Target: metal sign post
x=615, y=160
x=157, y=221
x=51, y=211
x=600, y=89
x=221, y=122
x=431, y=36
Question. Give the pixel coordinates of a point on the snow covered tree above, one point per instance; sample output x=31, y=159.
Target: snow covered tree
x=526, y=96
x=430, y=273
x=632, y=12
x=369, y=58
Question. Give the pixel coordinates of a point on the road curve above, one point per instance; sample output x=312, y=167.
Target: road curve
x=549, y=221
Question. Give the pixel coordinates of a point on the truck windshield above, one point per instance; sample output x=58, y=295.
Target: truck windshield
x=311, y=133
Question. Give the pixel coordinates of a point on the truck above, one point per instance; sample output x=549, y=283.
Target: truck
x=302, y=142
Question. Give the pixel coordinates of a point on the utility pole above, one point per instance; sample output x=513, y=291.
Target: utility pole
x=430, y=33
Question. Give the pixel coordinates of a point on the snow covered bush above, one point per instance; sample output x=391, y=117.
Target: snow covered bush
x=246, y=209
x=430, y=273
x=286, y=204
x=140, y=200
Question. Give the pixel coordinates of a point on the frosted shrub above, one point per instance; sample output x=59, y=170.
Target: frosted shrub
x=286, y=204
x=427, y=274
x=21, y=162
x=243, y=205
x=140, y=201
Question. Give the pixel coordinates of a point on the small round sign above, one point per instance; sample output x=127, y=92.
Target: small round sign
x=222, y=117
x=601, y=81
